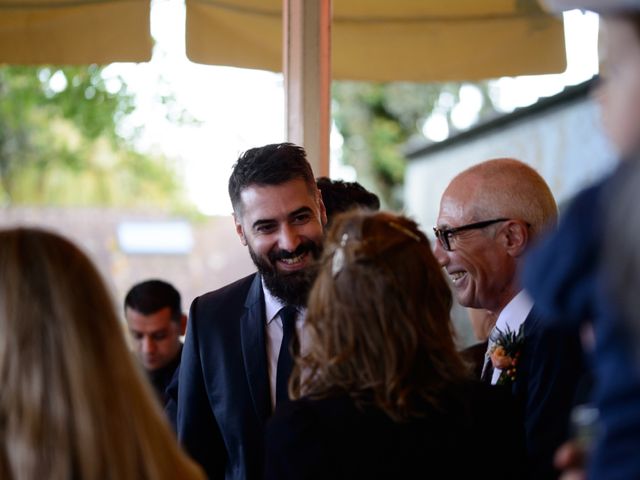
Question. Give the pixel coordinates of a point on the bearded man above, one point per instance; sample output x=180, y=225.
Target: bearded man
x=237, y=355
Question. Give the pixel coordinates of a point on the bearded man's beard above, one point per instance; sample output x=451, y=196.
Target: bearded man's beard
x=292, y=288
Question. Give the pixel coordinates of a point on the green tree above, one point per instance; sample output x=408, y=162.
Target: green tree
x=59, y=142
x=377, y=119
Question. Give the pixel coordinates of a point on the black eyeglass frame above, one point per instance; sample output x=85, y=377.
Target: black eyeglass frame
x=444, y=235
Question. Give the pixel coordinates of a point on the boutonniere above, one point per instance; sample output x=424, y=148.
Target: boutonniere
x=505, y=353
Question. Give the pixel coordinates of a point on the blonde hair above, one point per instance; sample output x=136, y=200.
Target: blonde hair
x=378, y=320
x=73, y=403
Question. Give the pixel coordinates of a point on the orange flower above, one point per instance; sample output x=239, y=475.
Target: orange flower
x=500, y=359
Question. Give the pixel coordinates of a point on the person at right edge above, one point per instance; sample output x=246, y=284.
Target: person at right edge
x=584, y=273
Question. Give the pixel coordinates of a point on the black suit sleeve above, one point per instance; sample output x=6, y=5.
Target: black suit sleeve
x=498, y=446
x=554, y=367
x=171, y=402
x=198, y=430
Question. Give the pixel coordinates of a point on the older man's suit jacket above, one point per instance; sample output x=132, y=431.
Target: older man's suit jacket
x=551, y=367
x=223, y=393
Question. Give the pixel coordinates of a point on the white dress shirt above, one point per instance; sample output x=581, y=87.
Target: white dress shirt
x=273, y=333
x=512, y=316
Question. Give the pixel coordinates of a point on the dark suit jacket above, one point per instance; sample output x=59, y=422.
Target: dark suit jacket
x=477, y=436
x=551, y=367
x=223, y=391
x=162, y=378
x=171, y=403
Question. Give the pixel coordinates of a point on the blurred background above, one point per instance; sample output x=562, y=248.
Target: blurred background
x=131, y=160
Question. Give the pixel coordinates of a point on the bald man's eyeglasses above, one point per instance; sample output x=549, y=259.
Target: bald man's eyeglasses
x=444, y=235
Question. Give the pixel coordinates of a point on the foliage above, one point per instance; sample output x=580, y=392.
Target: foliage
x=59, y=142
x=377, y=119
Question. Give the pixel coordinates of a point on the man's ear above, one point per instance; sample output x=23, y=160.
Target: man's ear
x=183, y=324
x=516, y=237
x=239, y=229
x=323, y=210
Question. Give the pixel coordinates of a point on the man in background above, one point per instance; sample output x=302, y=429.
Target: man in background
x=339, y=196
x=154, y=316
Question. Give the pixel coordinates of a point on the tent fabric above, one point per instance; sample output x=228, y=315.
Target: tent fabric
x=73, y=32
x=383, y=40
x=374, y=40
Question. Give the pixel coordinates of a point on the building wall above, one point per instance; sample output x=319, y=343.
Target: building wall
x=217, y=256
x=566, y=146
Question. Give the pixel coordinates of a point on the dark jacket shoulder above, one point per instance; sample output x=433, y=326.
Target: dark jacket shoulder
x=334, y=438
x=217, y=305
x=233, y=292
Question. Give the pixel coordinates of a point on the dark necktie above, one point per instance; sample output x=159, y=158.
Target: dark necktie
x=487, y=372
x=285, y=359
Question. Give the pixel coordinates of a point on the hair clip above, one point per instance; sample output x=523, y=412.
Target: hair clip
x=338, y=255
x=404, y=230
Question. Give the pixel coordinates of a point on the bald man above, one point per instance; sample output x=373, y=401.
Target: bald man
x=489, y=216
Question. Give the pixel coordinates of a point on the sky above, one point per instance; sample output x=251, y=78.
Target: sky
x=239, y=109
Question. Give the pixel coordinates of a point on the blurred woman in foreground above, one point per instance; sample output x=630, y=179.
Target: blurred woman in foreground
x=73, y=404
x=381, y=391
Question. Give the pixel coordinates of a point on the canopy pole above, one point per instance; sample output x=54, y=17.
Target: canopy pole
x=307, y=78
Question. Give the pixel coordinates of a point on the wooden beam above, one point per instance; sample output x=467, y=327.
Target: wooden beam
x=307, y=78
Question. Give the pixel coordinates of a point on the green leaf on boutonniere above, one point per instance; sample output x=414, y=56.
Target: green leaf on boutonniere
x=505, y=353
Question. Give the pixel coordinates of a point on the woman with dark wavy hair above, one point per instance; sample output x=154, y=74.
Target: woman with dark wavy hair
x=380, y=391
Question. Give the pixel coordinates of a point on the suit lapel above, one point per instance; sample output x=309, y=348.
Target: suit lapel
x=531, y=326
x=252, y=332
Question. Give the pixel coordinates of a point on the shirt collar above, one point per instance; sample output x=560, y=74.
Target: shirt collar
x=272, y=304
x=515, y=312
